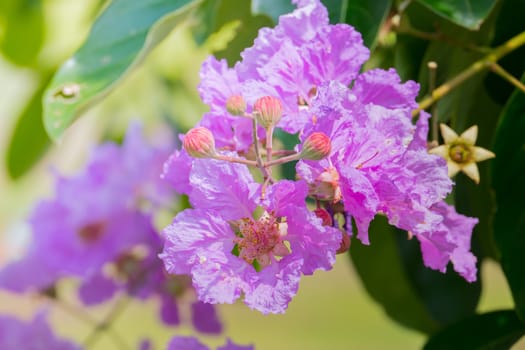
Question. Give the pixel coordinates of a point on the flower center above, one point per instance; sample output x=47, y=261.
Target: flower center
x=259, y=241
x=92, y=232
x=460, y=153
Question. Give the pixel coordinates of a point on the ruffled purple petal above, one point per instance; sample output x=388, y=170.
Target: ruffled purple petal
x=205, y=319
x=97, y=289
x=232, y=346
x=222, y=186
x=169, y=310
x=33, y=335
x=186, y=343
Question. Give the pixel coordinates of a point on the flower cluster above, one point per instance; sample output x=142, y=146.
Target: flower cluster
x=360, y=155
x=99, y=228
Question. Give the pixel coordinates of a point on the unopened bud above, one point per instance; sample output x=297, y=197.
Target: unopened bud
x=199, y=143
x=325, y=216
x=268, y=111
x=345, y=244
x=317, y=146
x=236, y=105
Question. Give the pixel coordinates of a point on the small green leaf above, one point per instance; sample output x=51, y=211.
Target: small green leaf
x=385, y=278
x=272, y=8
x=466, y=13
x=122, y=36
x=491, y=331
x=508, y=179
x=29, y=140
x=365, y=15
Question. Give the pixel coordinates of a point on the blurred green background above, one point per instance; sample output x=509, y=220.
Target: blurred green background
x=331, y=311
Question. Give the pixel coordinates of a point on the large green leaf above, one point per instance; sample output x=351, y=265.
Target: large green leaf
x=447, y=297
x=120, y=39
x=214, y=14
x=393, y=272
x=467, y=13
x=491, y=331
x=29, y=140
x=272, y=8
x=384, y=277
x=508, y=179
x=23, y=30
x=365, y=15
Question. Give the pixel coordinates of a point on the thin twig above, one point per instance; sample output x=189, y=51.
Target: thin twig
x=474, y=68
x=496, y=68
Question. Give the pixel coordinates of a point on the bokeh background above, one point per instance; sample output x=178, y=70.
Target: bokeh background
x=332, y=309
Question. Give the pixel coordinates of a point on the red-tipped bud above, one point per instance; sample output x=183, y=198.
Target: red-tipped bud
x=317, y=146
x=345, y=244
x=236, y=105
x=199, y=143
x=325, y=216
x=268, y=111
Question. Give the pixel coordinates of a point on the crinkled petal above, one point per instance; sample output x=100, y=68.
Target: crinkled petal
x=309, y=239
x=177, y=170
x=384, y=88
x=360, y=200
x=274, y=287
x=222, y=186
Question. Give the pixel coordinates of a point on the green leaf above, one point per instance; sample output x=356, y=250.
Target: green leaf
x=384, y=277
x=491, y=331
x=272, y=8
x=416, y=296
x=214, y=14
x=23, y=30
x=365, y=15
x=447, y=297
x=29, y=140
x=122, y=36
x=466, y=13
x=508, y=177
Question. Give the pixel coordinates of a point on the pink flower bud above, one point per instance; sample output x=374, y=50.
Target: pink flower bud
x=325, y=216
x=236, y=105
x=199, y=143
x=317, y=146
x=268, y=111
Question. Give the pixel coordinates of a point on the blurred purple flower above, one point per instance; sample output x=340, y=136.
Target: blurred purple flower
x=33, y=335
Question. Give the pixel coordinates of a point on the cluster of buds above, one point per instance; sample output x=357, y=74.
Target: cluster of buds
x=267, y=112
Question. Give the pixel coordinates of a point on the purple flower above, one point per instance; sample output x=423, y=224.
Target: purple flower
x=192, y=343
x=34, y=335
x=450, y=241
x=235, y=242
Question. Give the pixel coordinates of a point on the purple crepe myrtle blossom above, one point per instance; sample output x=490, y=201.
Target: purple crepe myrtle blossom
x=33, y=335
x=450, y=241
x=192, y=343
x=380, y=165
x=285, y=62
x=229, y=251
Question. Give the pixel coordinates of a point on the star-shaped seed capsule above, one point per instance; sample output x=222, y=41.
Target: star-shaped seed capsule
x=460, y=151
